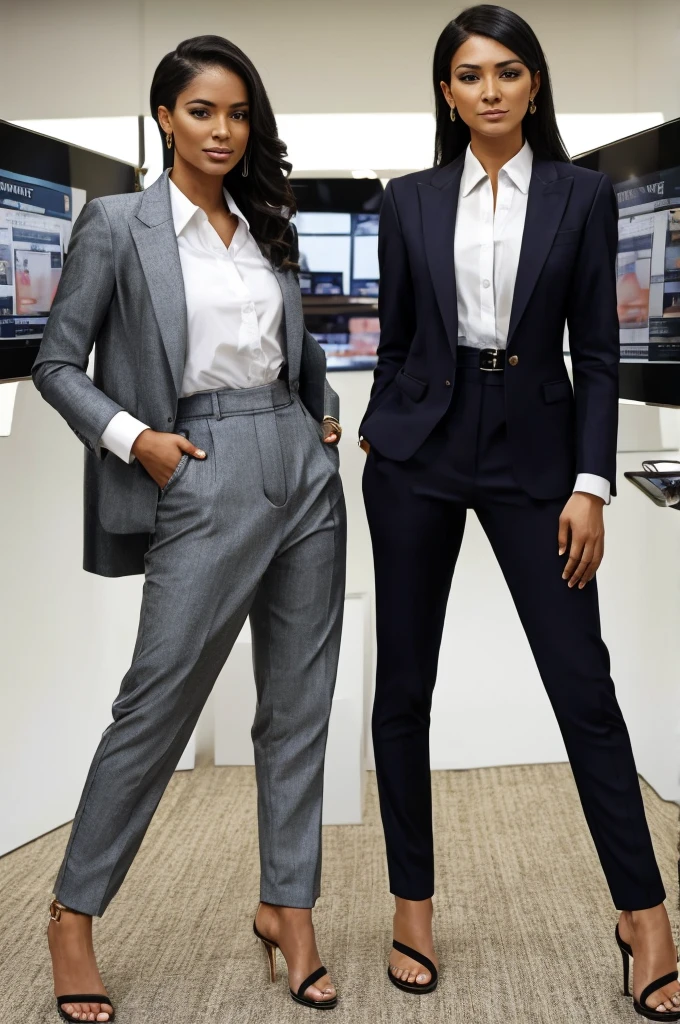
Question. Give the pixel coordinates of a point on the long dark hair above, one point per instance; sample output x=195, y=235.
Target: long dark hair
x=265, y=195
x=506, y=27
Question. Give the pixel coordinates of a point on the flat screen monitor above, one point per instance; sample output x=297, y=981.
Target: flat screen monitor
x=645, y=172
x=44, y=184
x=337, y=225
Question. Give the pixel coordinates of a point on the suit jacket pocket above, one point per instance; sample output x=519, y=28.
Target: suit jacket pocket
x=411, y=386
x=564, y=237
x=557, y=391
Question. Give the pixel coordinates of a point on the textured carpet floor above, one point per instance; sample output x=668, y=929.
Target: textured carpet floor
x=524, y=923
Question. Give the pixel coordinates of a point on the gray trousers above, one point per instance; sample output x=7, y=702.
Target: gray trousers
x=257, y=528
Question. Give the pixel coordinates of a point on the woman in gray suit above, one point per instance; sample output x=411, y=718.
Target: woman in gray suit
x=212, y=467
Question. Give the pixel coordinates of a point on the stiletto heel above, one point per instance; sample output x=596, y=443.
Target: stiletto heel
x=626, y=956
x=641, y=1006
x=298, y=997
x=413, y=986
x=270, y=949
x=55, y=915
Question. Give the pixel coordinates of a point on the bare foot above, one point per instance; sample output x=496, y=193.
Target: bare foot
x=413, y=927
x=649, y=934
x=292, y=930
x=74, y=965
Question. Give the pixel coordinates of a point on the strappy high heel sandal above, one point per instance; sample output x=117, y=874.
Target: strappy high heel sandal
x=641, y=1006
x=55, y=915
x=413, y=986
x=298, y=997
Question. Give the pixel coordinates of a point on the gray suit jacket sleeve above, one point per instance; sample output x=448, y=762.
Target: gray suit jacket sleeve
x=80, y=306
x=332, y=402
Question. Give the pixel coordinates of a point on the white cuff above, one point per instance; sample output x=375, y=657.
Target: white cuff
x=120, y=435
x=592, y=484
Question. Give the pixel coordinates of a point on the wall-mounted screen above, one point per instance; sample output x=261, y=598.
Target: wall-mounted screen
x=645, y=173
x=337, y=225
x=44, y=184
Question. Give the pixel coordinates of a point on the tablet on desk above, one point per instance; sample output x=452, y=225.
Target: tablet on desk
x=661, y=485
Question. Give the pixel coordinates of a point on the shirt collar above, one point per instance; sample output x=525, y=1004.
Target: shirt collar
x=183, y=210
x=518, y=170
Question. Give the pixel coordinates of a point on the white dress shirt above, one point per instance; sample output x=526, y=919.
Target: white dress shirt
x=234, y=313
x=486, y=255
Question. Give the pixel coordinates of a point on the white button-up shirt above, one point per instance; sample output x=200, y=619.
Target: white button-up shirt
x=487, y=245
x=234, y=313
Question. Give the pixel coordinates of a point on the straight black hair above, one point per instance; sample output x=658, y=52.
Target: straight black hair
x=506, y=27
x=265, y=195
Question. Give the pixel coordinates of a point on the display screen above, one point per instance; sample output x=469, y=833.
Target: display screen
x=648, y=267
x=337, y=225
x=338, y=253
x=36, y=218
x=350, y=341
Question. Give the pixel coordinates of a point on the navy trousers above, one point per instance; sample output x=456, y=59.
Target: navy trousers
x=416, y=512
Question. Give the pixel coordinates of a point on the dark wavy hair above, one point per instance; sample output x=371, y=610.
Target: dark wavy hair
x=265, y=195
x=506, y=27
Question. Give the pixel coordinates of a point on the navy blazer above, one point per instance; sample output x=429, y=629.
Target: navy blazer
x=566, y=273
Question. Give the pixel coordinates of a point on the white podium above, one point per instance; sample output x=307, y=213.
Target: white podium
x=345, y=772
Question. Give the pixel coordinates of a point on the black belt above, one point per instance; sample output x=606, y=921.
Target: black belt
x=481, y=358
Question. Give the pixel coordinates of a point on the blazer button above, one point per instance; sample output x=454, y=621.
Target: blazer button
x=448, y=383
x=513, y=360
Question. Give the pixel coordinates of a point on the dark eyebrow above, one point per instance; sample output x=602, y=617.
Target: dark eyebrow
x=209, y=103
x=501, y=64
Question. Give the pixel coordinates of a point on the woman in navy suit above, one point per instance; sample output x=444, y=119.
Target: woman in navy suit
x=484, y=258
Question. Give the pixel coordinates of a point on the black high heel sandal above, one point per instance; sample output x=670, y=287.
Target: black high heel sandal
x=55, y=915
x=413, y=986
x=298, y=997
x=641, y=1006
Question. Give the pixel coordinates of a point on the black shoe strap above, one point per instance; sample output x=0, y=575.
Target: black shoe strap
x=659, y=983
x=314, y=976
x=419, y=958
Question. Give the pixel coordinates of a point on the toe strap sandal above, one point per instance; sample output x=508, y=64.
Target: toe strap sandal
x=64, y=1000
x=420, y=958
x=641, y=1007
x=299, y=997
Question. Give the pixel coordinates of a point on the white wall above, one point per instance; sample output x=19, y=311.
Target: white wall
x=323, y=56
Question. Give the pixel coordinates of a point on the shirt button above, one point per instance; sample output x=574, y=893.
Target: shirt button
x=513, y=360
x=486, y=282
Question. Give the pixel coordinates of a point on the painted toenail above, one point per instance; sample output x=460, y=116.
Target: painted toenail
x=421, y=977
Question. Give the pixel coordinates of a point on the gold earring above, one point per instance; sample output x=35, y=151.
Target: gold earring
x=532, y=107
x=168, y=140
x=452, y=113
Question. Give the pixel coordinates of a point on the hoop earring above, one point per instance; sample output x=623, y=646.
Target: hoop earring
x=532, y=107
x=168, y=140
x=452, y=113
x=244, y=169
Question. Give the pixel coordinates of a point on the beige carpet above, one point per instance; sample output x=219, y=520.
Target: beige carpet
x=524, y=923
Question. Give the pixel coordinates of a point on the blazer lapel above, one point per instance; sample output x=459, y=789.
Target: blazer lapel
x=293, y=320
x=153, y=232
x=438, y=206
x=547, y=199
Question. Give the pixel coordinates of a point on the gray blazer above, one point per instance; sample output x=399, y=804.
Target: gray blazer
x=122, y=291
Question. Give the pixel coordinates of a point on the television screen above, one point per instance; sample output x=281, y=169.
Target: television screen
x=44, y=184
x=337, y=225
x=645, y=172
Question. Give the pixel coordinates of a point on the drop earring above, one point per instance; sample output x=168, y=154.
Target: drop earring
x=452, y=113
x=244, y=169
x=532, y=107
x=168, y=140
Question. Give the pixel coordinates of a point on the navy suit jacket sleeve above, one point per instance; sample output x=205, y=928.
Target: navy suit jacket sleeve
x=396, y=303
x=594, y=338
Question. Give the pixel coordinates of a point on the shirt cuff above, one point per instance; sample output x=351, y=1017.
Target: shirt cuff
x=120, y=435
x=592, y=484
